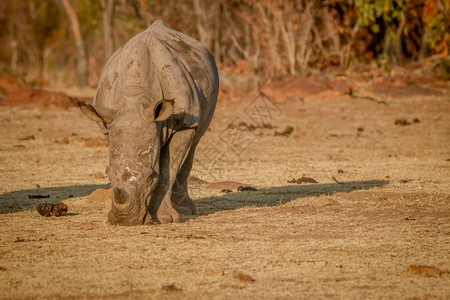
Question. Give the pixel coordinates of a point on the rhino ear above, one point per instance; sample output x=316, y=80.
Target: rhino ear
x=163, y=110
x=89, y=111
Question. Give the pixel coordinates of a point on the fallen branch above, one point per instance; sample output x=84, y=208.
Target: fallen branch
x=336, y=180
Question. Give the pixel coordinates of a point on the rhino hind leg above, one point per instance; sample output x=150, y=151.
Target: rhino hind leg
x=172, y=158
x=180, y=196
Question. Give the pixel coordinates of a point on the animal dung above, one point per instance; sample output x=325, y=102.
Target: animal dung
x=52, y=209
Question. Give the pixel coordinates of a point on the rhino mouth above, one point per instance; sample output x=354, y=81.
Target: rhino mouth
x=126, y=209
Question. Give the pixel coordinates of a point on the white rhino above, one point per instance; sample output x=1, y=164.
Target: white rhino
x=155, y=99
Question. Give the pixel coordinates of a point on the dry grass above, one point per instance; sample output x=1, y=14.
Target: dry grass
x=392, y=210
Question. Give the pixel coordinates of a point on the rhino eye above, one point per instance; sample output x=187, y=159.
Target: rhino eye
x=157, y=111
x=103, y=127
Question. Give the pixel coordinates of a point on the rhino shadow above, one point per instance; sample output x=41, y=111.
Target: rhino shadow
x=278, y=195
x=20, y=200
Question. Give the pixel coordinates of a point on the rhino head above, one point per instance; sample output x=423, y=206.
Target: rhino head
x=134, y=137
x=131, y=108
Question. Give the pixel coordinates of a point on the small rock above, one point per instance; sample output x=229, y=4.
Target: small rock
x=98, y=175
x=246, y=189
x=340, y=171
x=324, y=202
x=416, y=120
x=238, y=274
x=360, y=129
x=425, y=270
x=38, y=186
x=227, y=191
x=170, y=288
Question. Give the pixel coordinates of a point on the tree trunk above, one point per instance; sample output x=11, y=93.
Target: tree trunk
x=203, y=15
x=423, y=45
x=82, y=62
x=13, y=44
x=108, y=34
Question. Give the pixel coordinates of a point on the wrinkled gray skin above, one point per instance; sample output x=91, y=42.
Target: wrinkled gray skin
x=155, y=100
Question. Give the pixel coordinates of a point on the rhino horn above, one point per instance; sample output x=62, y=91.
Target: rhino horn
x=120, y=196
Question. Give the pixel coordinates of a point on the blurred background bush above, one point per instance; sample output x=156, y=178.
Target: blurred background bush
x=254, y=42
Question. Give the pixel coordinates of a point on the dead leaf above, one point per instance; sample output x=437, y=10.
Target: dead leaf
x=325, y=202
x=425, y=270
x=238, y=274
x=91, y=142
x=98, y=175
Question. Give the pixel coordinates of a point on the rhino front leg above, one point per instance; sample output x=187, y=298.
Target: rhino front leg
x=180, y=197
x=172, y=158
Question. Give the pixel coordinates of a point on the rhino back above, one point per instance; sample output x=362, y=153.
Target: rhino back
x=194, y=56
x=196, y=73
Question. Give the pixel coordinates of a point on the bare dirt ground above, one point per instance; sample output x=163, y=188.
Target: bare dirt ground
x=381, y=204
